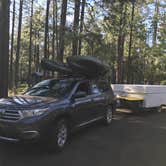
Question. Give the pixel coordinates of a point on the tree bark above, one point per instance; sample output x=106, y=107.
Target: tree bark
x=18, y=45
x=30, y=46
x=46, y=31
x=62, y=31
x=75, y=27
x=155, y=22
x=37, y=52
x=11, y=51
x=120, y=42
x=130, y=45
x=54, y=30
x=4, y=47
x=81, y=25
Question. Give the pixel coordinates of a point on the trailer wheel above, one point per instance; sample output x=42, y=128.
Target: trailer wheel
x=159, y=109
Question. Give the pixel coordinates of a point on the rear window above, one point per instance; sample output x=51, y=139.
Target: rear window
x=103, y=86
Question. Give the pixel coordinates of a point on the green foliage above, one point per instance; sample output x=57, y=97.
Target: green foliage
x=20, y=90
x=104, y=22
x=163, y=82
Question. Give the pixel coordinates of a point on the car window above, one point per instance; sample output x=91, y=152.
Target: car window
x=42, y=84
x=94, y=89
x=83, y=87
x=103, y=86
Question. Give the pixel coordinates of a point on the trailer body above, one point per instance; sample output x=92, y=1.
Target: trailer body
x=147, y=96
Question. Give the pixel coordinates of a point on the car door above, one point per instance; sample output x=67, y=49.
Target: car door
x=98, y=101
x=82, y=106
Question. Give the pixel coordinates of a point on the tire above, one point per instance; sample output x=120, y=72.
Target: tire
x=58, y=136
x=159, y=109
x=108, y=116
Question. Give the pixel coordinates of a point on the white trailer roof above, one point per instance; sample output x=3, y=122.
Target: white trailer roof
x=136, y=88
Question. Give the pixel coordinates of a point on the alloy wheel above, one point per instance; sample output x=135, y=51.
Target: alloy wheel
x=62, y=135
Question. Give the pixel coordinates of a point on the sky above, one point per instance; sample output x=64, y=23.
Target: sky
x=71, y=17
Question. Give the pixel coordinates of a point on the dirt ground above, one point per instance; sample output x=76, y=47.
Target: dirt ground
x=131, y=140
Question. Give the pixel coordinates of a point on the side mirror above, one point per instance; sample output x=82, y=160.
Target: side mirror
x=79, y=94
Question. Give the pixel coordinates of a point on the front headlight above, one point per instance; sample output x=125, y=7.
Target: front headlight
x=35, y=112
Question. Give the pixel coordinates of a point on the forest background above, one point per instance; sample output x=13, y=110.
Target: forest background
x=130, y=35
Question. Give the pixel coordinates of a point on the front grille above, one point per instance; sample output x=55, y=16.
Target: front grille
x=9, y=115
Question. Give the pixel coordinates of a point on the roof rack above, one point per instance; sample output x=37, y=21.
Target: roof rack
x=84, y=67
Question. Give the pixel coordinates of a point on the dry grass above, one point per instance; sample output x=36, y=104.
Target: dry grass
x=21, y=89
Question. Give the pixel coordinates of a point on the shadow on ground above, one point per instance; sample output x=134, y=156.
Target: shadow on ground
x=132, y=139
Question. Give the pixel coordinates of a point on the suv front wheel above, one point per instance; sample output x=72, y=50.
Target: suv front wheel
x=58, y=136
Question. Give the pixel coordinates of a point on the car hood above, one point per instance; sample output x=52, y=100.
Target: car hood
x=25, y=102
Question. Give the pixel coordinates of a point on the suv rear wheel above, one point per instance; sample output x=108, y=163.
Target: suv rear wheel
x=109, y=116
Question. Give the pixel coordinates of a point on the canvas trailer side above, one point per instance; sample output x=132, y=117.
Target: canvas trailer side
x=140, y=97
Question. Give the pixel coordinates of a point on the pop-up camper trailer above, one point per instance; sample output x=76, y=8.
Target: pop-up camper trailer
x=140, y=97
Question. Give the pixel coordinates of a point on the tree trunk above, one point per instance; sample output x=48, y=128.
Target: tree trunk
x=155, y=22
x=4, y=47
x=46, y=31
x=11, y=51
x=62, y=31
x=75, y=27
x=120, y=42
x=54, y=30
x=18, y=45
x=38, y=53
x=30, y=46
x=130, y=45
x=81, y=26
x=36, y=50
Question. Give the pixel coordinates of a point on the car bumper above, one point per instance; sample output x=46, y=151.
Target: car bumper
x=24, y=136
x=7, y=139
x=25, y=130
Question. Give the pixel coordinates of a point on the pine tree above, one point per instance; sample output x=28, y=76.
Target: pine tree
x=4, y=47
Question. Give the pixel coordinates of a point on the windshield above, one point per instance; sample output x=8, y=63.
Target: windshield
x=51, y=88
